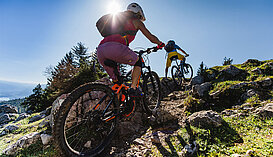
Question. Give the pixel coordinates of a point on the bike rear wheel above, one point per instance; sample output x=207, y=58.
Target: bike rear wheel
x=86, y=121
x=177, y=75
x=187, y=72
x=152, y=92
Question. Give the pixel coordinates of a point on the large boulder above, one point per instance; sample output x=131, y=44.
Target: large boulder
x=55, y=108
x=232, y=73
x=265, y=111
x=197, y=80
x=168, y=86
x=268, y=82
x=6, y=108
x=201, y=90
x=205, y=119
x=23, y=142
x=252, y=61
x=9, y=129
x=36, y=118
x=5, y=118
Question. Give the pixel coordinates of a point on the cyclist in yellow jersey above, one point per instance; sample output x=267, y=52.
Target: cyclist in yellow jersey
x=171, y=49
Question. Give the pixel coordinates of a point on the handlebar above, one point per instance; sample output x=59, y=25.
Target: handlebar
x=148, y=50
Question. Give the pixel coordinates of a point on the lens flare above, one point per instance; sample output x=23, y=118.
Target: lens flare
x=114, y=7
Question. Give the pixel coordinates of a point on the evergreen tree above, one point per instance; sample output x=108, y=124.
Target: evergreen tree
x=227, y=61
x=202, y=69
x=80, y=54
x=36, y=101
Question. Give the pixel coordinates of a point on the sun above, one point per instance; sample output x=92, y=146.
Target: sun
x=113, y=7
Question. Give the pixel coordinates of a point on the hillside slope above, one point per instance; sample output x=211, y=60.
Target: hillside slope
x=228, y=111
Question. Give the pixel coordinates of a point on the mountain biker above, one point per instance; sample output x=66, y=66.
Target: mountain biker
x=115, y=46
x=171, y=49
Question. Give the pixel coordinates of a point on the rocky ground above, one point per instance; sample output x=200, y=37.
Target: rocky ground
x=228, y=111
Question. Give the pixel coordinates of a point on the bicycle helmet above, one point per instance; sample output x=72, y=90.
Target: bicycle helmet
x=135, y=8
x=171, y=42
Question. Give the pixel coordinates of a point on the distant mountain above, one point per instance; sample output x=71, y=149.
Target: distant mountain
x=14, y=90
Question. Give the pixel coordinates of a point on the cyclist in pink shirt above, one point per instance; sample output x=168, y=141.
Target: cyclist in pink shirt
x=115, y=46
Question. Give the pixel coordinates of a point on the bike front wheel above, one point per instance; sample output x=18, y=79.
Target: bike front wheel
x=152, y=92
x=187, y=72
x=177, y=75
x=86, y=121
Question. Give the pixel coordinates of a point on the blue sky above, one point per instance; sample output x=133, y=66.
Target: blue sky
x=36, y=34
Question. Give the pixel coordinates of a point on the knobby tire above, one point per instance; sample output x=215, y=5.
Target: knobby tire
x=90, y=119
x=152, y=92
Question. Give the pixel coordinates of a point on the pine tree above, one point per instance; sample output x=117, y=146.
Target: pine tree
x=227, y=61
x=36, y=101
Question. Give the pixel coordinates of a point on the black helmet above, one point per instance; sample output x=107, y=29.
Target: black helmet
x=171, y=42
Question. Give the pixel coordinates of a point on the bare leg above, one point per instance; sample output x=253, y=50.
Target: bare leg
x=135, y=75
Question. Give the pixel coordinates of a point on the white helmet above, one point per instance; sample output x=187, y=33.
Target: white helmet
x=134, y=7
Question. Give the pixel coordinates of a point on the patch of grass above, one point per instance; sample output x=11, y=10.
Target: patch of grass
x=253, y=100
x=37, y=149
x=237, y=137
x=219, y=68
x=221, y=86
x=192, y=104
x=24, y=129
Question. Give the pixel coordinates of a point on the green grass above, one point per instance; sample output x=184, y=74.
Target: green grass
x=221, y=86
x=256, y=135
x=24, y=129
x=236, y=136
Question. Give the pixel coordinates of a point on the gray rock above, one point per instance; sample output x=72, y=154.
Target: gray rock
x=201, y=90
x=46, y=138
x=270, y=65
x=266, y=82
x=257, y=71
x=6, y=108
x=21, y=116
x=265, y=111
x=190, y=149
x=36, y=118
x=46, y=112
x=5, y=118
x=45, y=122
x=23, y=142
x=229, y=112
x=168, y=86
x=3, y=133
x=231, y=73
x=55, y=107
x=11, y=128
x=205, y=119
x=197, y=80
x=248, y=94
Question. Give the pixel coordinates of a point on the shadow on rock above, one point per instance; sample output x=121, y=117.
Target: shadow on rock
x=137, y=134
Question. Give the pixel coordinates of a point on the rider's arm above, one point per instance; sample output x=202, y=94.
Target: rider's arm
x=183, y=51
x=140, y=25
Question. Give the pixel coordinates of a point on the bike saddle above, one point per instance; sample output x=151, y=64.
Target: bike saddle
x=110, y=63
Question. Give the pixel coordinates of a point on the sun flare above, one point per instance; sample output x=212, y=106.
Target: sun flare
x=113, y=7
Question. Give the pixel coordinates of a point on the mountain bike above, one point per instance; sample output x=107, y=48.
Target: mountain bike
x=87, y=119
x=181, y=71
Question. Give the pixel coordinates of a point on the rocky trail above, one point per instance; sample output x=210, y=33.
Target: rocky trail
x=227, y=111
